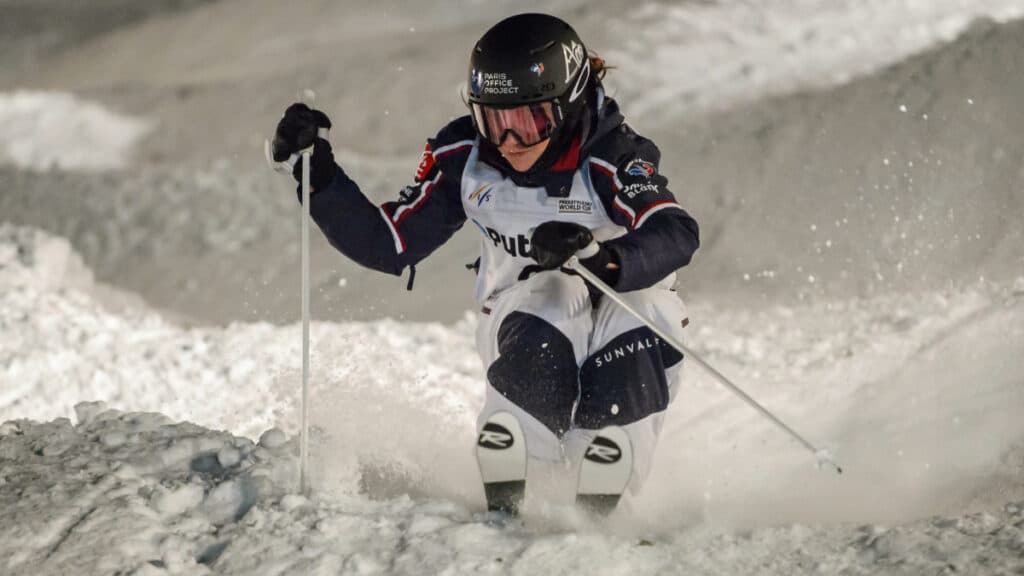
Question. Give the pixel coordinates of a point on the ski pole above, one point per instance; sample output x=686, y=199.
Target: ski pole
x=286, y=167
x=304, y=435
x=823, y=456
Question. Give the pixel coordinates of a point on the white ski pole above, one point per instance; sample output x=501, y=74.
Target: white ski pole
x=304, y=435
x=286, y=167
x=823, y=456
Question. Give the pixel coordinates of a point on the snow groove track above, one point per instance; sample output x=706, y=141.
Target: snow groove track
x=149, y=515
x=62, y=528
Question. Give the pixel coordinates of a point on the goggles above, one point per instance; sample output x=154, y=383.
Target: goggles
x=530, y=124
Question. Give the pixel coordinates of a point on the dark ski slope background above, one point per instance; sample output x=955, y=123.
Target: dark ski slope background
x=861, y=268
x=839, y=184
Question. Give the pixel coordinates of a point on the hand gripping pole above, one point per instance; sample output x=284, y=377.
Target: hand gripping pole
x=286, y=167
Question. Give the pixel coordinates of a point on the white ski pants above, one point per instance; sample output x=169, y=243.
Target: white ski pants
x=566, y=368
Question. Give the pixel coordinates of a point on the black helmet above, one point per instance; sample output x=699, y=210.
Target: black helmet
x=526, y=59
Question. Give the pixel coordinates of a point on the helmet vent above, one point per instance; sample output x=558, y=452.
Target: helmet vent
x=549, y=44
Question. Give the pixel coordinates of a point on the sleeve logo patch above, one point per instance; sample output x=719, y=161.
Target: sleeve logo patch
x=409, y=194
x=637, y=189
x=640, y=167
x=426, y=163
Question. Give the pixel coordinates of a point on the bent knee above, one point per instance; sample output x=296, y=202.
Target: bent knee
x=625, y=380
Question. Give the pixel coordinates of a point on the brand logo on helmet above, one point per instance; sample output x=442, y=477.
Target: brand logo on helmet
x=493, y=83
x=576, y=61
x=537, y=68
x=574, y=58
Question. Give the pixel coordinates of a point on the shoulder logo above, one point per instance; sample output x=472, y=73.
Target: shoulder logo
x=482, y=194
x=426, y=163
x=640, y=167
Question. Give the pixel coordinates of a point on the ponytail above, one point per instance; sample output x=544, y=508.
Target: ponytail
x=598, y=67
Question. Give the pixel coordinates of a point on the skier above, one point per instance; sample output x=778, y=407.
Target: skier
x=545, y=168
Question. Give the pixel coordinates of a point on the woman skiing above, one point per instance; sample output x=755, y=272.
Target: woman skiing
x=545, y=168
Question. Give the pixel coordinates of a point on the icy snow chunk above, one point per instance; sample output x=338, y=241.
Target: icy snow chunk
x=229, y=456
x=86, y=412
x=113, y=439
x=978, y=524
x=179, y=500
x=9, y=429
x=292, y=502
x=229, y=501
x=273, y=438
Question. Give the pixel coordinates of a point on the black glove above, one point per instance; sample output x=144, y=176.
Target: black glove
x=553, y=243
x=298, y=130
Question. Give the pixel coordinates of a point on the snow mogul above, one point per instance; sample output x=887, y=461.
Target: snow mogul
x=545, y=168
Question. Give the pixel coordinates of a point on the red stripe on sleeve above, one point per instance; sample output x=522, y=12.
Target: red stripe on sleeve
x=650, y=207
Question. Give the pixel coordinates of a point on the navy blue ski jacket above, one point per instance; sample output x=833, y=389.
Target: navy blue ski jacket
x=609, y=178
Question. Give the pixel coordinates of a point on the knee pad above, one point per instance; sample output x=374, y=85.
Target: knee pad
x=536, y=370
x=625, y=380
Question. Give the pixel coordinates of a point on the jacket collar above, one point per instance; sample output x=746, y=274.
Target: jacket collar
x=557, y=179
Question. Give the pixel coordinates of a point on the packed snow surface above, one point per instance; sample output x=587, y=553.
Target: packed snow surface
x=46, y=130
x=137, y=493
x=393, y=412
x=686, y=55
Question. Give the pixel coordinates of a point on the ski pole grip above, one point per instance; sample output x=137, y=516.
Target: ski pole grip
x=588, y=251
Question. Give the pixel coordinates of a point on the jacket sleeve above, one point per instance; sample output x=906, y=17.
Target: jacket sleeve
x=662, y=237
x=399, y=233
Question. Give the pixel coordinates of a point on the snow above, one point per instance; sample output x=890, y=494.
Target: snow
x=94, y=509
x=689, y=56
x=138, y=491
x=133, y=442
x=46, y=130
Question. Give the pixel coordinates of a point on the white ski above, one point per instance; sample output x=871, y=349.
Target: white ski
x=501, y=456
x=605, y=471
